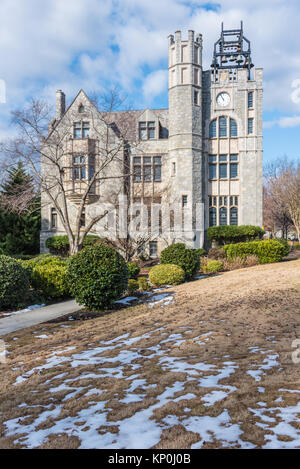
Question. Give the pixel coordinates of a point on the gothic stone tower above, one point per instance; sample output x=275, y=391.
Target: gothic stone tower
x=232, y=143
x=185, y=127
x=215, y=131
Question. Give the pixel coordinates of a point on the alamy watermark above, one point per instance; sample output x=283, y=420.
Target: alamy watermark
x=2, y=352
x=296, y=353
x=2, y=92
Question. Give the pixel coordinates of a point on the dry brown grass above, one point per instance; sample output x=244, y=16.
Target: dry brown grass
x=247, y=308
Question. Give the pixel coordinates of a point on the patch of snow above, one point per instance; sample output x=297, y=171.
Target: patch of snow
x=26, y=310
x=126, y=301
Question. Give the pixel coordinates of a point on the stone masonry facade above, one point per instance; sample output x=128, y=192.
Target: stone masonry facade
x=203, y=153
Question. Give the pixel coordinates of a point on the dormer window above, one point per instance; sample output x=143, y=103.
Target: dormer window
x=81, y=129
x=147, y=130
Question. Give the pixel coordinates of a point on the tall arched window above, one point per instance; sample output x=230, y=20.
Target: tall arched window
x=223, y=216
x=233, y=128
x=213, y=129
x=212, y=216
x=233, y=216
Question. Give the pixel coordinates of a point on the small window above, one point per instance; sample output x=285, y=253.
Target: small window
x=153, y=249
x=212, y=216
x=233, y=216
x=151, y=130
x=223, y=158
x=53, y=218
x=233, y=128
x=223, y=171
x=222, y=127
x=184, y=201
x=196, y=98
x=147, y=173
x=250, y=100
x=77, y=130
x=143, y=131
x=81, y=108
x=212, y=171
x=137, y=173
x=250, y=126
x=157, y=172
x=173, y=169
x=213, y=129
x=234, y=157
x=223, y=216
x=233, y=170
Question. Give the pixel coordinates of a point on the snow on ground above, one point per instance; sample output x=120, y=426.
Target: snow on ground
x=26, y=310
x=115, y=359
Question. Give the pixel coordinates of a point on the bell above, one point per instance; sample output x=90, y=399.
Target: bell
x=224, y=59
x=239, y=59
x=232, y=58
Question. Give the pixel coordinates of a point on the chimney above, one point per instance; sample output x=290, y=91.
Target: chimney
x=60, y=104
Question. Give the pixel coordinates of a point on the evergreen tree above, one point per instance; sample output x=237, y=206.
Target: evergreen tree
x=19, y=232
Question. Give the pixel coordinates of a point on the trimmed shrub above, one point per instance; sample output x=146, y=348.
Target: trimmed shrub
x=98, y=276
x=134, y=270
x=14, y=284
x=285, y=243
x=212, y=267
x=267, y=251
x=132, y=287
x=166, y=274
x=50, y=277
x=143, y=284
x=60, y=245
x=179, y=254
x=229, y=234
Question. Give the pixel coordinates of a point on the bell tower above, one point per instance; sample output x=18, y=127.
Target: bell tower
x=185, y=124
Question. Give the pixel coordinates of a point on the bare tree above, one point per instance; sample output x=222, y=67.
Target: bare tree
x=48, y=151
x=282, y=195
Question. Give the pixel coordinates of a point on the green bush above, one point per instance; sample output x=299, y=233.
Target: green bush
x=134, y=270
x=60, y=245
x=50, y=277
x=42, y=259
x=98, y=276
x=143, y=284
x=14, y=284
x=212, y=267
x=285, y=243
x=267, y=251
x=166, y=274
x=179, y=254
x=229, y=234
x=132, y=287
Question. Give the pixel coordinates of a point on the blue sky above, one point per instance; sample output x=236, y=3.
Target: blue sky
x=93, y=44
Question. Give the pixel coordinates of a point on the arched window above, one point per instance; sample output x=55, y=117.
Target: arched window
x=213, y=129
x=223, y=216
x=212, y=216
x=233, y=128
x=233, y=216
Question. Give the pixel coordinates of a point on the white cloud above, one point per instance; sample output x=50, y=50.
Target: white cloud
x=155, y=83
x=283, y=122
x=72, y=44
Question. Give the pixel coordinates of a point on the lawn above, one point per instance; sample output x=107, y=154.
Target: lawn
x=207, y=364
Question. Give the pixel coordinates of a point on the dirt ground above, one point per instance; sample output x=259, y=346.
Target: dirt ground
x=208, y=364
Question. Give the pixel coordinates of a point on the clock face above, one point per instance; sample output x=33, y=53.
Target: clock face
x=223, y=99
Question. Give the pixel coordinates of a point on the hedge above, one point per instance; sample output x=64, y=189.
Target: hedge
x=187, y=259
x=267, y=251
x=212, y=267
x=50, y=277
x=14, y=284
x=60, y=244
x=166, y=274
x=229, y=234
x=98, y=276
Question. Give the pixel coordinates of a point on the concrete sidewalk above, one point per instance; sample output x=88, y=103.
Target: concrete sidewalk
x=37, y=316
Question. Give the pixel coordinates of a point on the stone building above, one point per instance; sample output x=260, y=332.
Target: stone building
x=203, y=153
